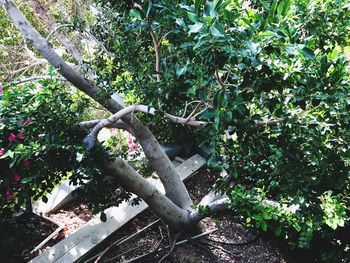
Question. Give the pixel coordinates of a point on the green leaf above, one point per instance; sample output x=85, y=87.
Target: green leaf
x=229, y=116
x=103, y=217
x=135, y=13
x=272, y=10
x=181, y=71
x=216, y=121
x=197, y=5
x=27, y=180
x=192, y=17
x=51, y=70
x=9, y=153
x=195, y=28
x=44, y=199
x=208, y=114
x=149, y=8
x=280, y=9
x=307, y=53
x=217, y=30
x=79, y=157
x=278, y=231
x=180, y=22
x=286, y=6
x=245, y=20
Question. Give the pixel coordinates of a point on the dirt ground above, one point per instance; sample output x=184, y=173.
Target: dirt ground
x=229, y=241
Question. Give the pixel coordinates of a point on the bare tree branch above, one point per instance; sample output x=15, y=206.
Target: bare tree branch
x=34, y=78
x=56, y=29
x=43, y=13
x=157, y=51
x=119, y=125
x=89, y=140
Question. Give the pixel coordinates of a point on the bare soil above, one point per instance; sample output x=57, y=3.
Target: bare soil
x=230, y=242
x=20, y=234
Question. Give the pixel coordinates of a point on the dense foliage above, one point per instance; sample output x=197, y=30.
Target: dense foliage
x=41, y=144
x=276, y=76
x=273, y=81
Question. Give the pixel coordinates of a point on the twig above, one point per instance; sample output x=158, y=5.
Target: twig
x=99, y=43
x=157, y=52
x=170, y=251
x=60, y=227
x=13, y=83
x=56, y=29
x=119, y=242
x=204, y=248
x=176, y=244
x=91, y=137
x=233, y=243
x=122, y=254
x=218, y=247
x=160, y=241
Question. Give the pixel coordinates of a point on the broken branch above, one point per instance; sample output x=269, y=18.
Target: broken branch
x=90, y=139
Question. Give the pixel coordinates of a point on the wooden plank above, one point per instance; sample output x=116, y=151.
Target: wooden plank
x=95, y=231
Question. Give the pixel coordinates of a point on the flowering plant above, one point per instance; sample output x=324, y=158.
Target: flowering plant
x=37, y=137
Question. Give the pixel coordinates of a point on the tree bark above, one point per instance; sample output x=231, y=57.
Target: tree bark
x=174, y=187
x=130, y=180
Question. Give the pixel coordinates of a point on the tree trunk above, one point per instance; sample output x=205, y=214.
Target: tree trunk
x=174, y=187
x=42, y=12
x=130, y=180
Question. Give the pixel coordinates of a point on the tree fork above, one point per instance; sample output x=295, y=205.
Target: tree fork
x=174, y=187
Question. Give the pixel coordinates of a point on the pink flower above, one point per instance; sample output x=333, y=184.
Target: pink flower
x=132, y=147
x=21, y=135
x=10, y=195
x=12, y=137
x=26, y=163
x=2, y=151
x=129, y=141
x=29, y=120
x=247, y=186
x=16, y=178
x=22, y=123
x=1, y=89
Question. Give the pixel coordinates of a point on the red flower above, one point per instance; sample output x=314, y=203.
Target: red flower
x=247, y=186
x=21, y=135
x=10, y=195
x=22, y=123
x=12, y=137
x=2, y=151
x=29, y=120
x=132, y=147
x=16, y=178
x=26, y=163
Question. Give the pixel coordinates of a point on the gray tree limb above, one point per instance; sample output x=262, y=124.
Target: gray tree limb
x=175, y=216
x=174, y=187
x=42, y=12
x=130, y=109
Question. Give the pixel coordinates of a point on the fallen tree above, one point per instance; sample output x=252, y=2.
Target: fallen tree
x=175, y=206
x=263, y=82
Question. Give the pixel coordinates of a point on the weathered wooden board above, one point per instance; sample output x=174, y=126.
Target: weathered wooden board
x=95, y=231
